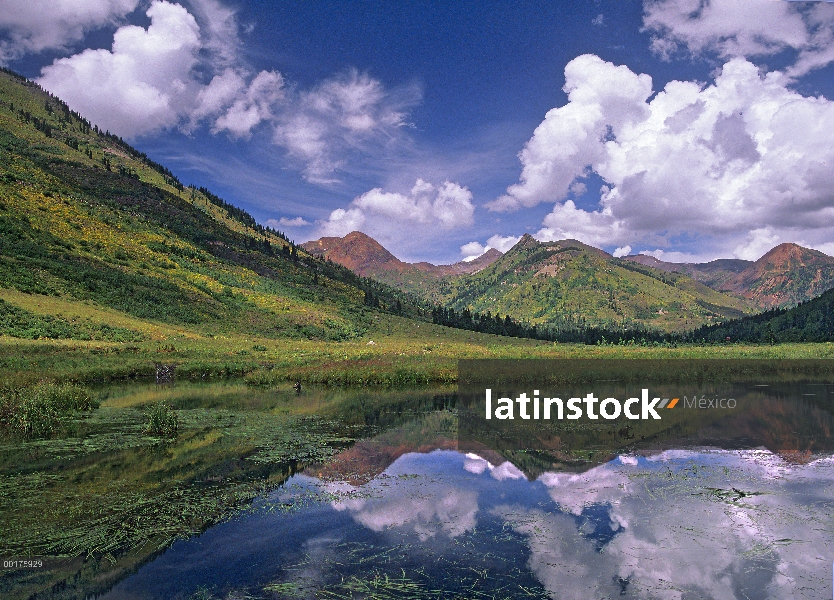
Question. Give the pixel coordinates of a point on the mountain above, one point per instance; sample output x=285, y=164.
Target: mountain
x=121, y=247
x=786, y=275
x=569, y=283
x=712, y=274
x=365, y=256
x=358, y=252
x=563, y=283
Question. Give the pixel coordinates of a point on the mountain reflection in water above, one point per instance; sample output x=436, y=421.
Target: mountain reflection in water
x=685, y=523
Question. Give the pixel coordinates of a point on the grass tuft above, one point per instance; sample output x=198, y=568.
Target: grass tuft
x=162, y=420
x=42, y=409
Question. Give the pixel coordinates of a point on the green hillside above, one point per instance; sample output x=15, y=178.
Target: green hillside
x=570, y=283
x=87, y=219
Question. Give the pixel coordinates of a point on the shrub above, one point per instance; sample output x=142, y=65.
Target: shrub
x=162, y=420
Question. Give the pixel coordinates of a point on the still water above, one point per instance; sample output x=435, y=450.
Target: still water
x=734, y=504
x=696, y=523
x=378, y=494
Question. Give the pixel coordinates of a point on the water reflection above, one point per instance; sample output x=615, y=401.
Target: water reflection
x=701, y=505
x=696, y=523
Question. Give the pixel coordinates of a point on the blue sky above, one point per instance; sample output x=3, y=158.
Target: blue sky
x=685, y=129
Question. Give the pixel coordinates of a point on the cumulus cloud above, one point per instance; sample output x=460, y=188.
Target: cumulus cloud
x=285, y=222
x=446, y=206
x=138, y=85
x=473, y=250
x=731, y=29
x=36, y=25
x=622, y=251
x=743, y=155
x=757, y=243
x=601, y=96
x=147, y=80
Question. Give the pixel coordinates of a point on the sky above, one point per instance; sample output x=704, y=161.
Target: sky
x=685, y=129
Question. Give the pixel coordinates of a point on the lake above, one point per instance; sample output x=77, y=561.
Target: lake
x=357, y=493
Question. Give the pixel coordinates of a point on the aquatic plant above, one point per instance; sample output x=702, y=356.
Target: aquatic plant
x=162, y=420
x=42, y=409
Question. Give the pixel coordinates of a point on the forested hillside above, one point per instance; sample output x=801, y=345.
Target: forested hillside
x=811, y=321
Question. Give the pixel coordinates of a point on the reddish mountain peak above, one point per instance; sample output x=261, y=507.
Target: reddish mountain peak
x=787, y=274
x=487, y=258
x=356, y=251
x=362, y=254
x=360, y=244
x=791, y=255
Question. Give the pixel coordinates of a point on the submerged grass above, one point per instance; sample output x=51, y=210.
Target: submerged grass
x=110, y=492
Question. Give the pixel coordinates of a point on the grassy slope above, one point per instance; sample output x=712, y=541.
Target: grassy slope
x=567, y=281
x=122, y=236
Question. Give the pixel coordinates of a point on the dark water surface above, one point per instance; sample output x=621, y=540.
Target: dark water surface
x=682, y=524
x=723, y=505
x=373, y=494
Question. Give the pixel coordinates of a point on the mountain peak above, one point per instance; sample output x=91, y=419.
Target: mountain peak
x=526, y=241
x=357, y=251
x=787, y=274
x=791, y=254
x=364, y=255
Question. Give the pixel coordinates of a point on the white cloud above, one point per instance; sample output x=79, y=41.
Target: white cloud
x=473, y=250
x=148, y=80
x=577, y=188
x=757, y=243
x=285, y=222
x=622, y=251
x=253, y=106
x=347, y=113
x=444, y=207
x=138, y=86
x=36, y=25
x=600, y=95
x=676, y=257
x=185, y=71
x=731, y=29
x=714, y=162
x=219, y=27
x=825, y=248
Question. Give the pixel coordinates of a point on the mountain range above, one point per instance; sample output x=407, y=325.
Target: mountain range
x=365, y=256
x=570, y=282
x=784, y=276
